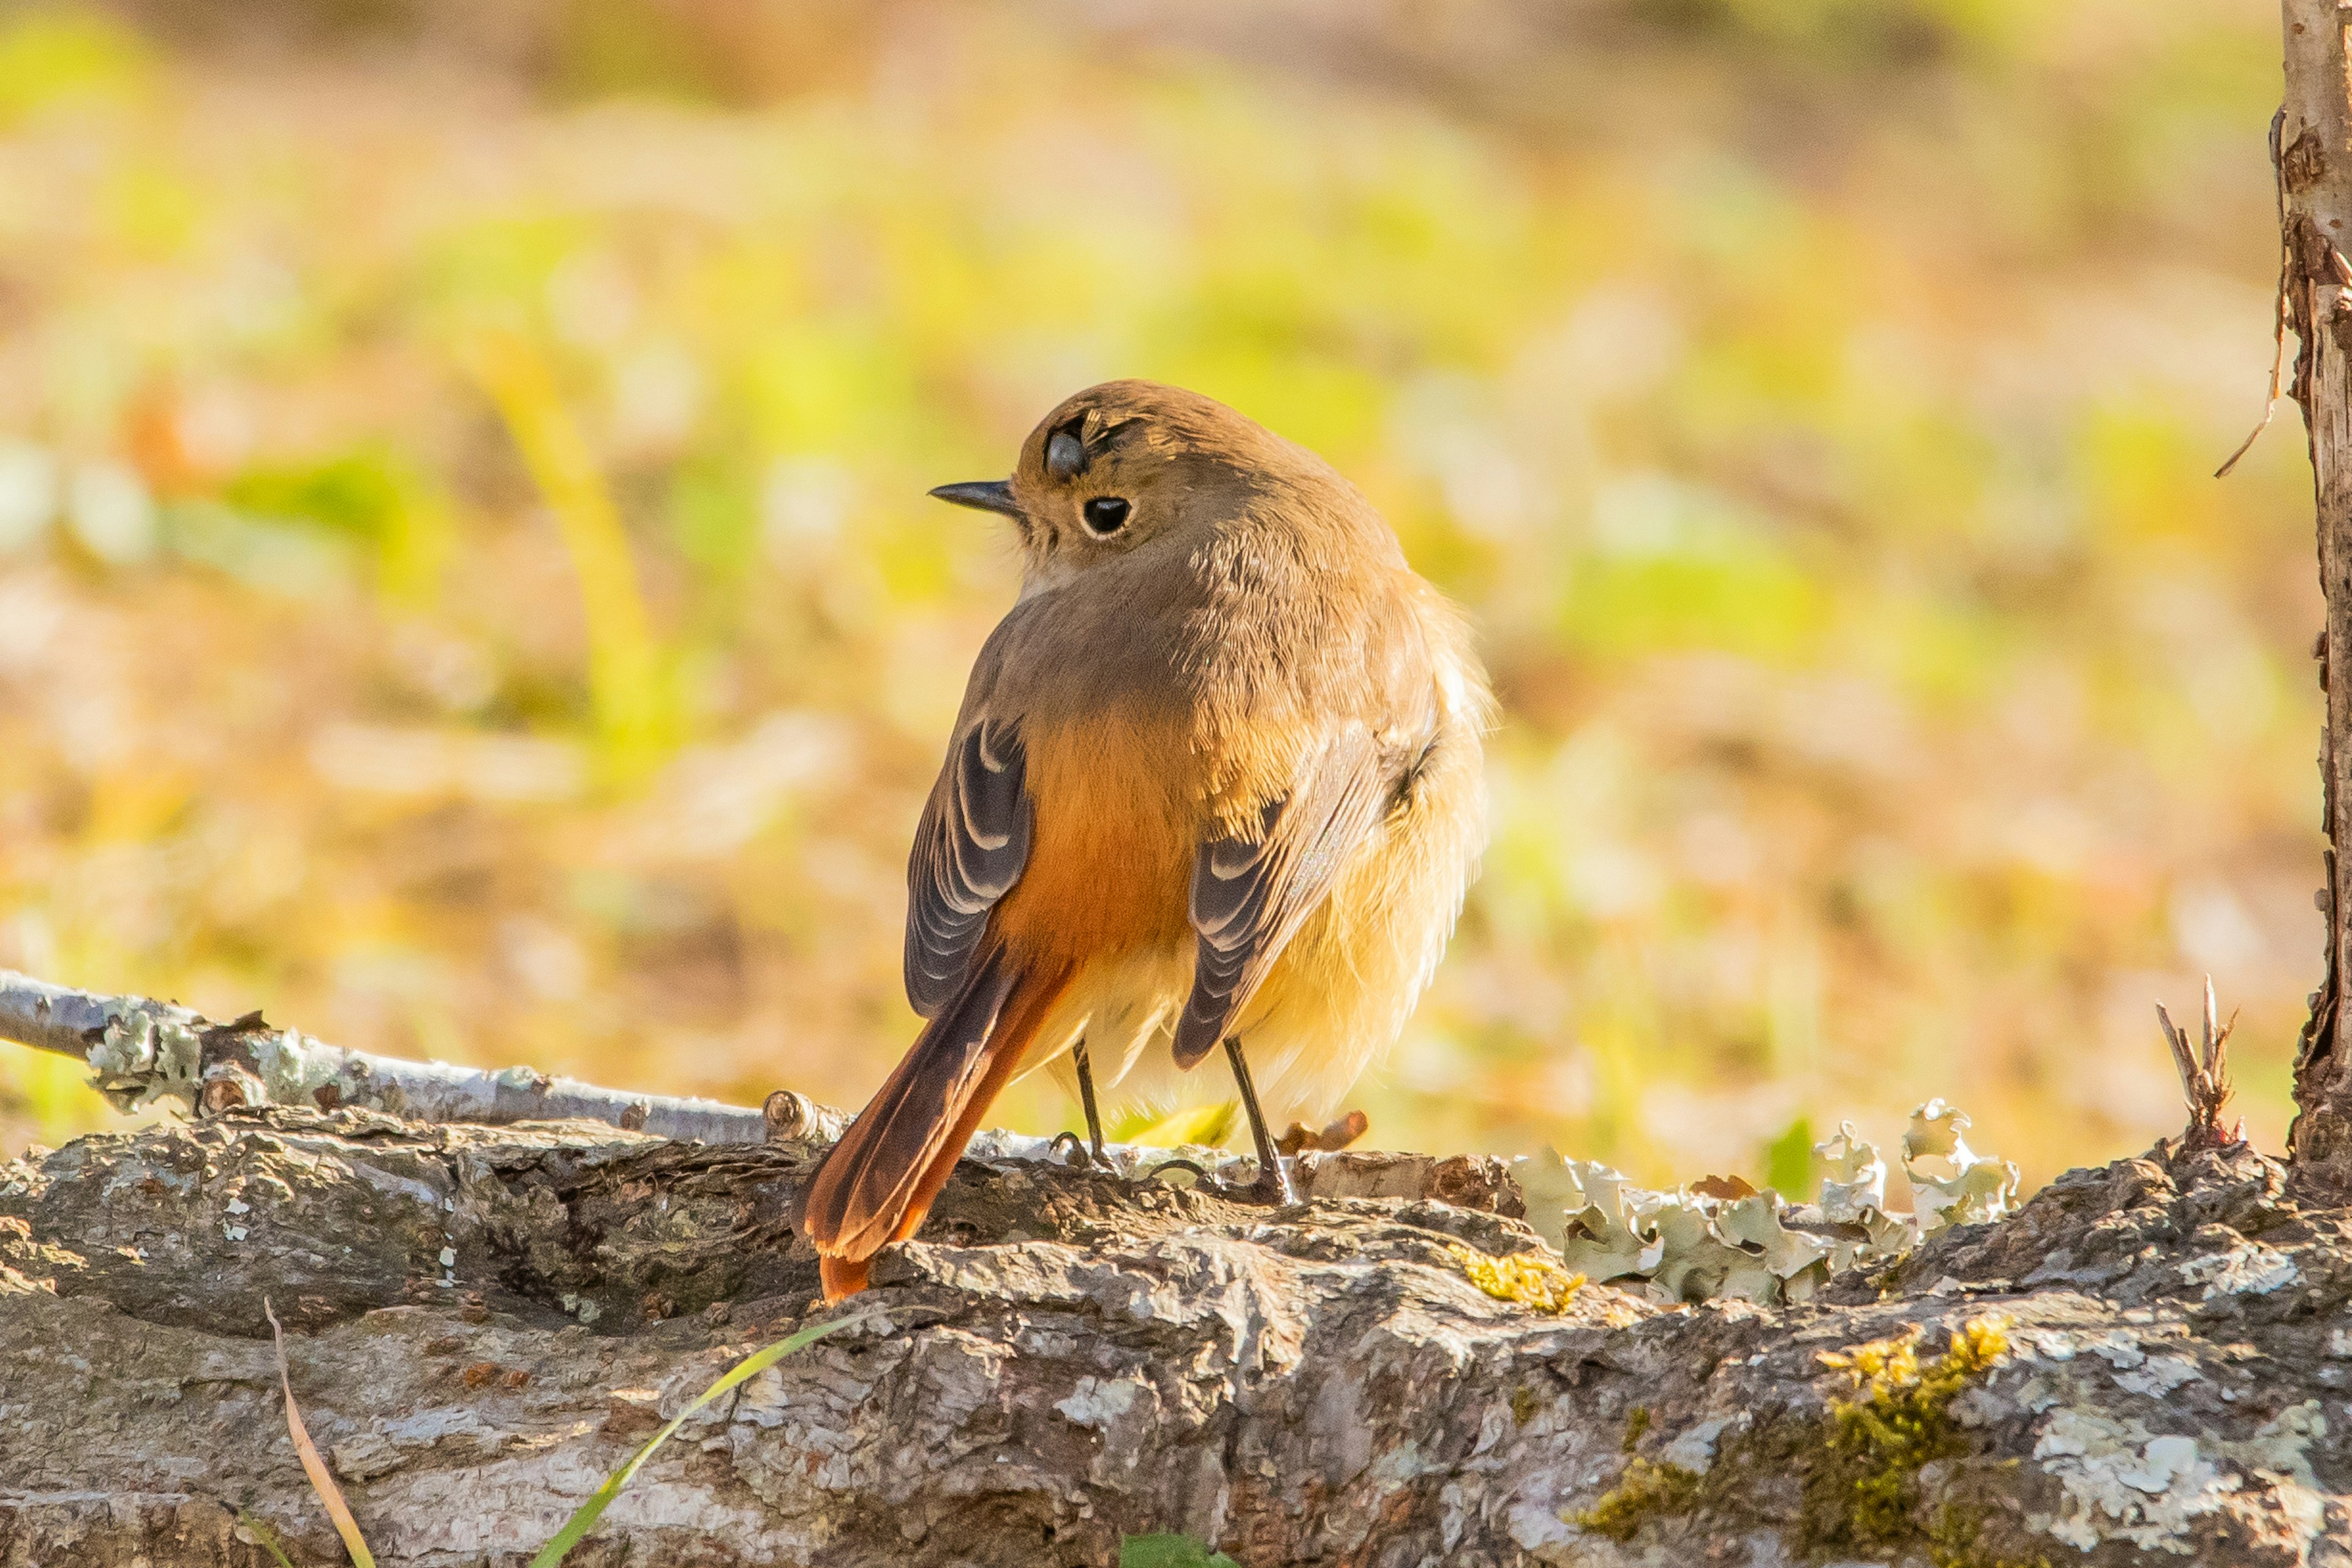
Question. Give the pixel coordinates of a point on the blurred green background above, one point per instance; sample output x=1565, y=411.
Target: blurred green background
x=465, y=585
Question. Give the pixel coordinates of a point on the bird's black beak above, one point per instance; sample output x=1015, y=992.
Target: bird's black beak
x=983, y=495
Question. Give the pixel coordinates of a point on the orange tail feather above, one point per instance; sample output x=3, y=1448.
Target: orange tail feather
x=876, y=1185
x=842, y=1279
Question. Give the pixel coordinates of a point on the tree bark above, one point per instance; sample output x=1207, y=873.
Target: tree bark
x=486, y=1321
x=2312, y=149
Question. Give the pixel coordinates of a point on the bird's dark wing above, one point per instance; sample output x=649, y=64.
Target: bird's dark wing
x=1251, y=893
x=969, y=851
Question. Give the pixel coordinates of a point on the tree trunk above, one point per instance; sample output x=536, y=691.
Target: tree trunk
x=2312, y=149
x=2150, y=1368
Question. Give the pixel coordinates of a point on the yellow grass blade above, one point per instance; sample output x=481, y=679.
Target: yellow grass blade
x=626, y=681
x=1209, y=1125
x=314, y=1466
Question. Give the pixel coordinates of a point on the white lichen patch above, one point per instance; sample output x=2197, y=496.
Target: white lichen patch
x=2123, y=1483
x=2159, y=1376
x=1098, y=1402
x=1695, y=1450
x=148, y=1052
x=2280, y=1453
x=2163, y=1462
x=1731, y=1243
x=293, y=1066
x=1974, y=1189
x=2283, y=1447
x=1399, y=1467
x=1853, y=1181
x=2249, y=1269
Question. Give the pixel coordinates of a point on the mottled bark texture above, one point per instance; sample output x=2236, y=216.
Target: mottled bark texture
x=2313, y=147
x=2154, y=1366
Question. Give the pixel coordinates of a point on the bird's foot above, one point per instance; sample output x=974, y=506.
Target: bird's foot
x=1081, y=1157
x=1271, y=1188
x=1179, y=1165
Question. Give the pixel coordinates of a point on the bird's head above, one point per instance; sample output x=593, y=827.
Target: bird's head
x=1129, y=463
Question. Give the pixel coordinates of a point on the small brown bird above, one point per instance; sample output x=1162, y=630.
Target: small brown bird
x=1216, y=781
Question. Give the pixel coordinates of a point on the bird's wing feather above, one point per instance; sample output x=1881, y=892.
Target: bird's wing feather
x=1251, y=892
x=969, y=851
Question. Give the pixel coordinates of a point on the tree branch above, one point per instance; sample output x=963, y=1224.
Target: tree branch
x=141, y=1051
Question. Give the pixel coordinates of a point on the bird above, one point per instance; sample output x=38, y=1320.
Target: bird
x=1216, y=782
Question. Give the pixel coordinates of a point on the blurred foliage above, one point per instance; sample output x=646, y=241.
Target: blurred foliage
x=465, y=582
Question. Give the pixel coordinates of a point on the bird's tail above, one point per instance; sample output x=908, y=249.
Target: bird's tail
x=876, y=1185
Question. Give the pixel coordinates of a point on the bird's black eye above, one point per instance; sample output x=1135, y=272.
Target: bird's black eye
x=1106, y=515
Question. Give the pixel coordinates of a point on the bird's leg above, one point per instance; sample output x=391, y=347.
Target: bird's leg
x=1273, y=1184
x=1086, y=1098
x=1093, y=1156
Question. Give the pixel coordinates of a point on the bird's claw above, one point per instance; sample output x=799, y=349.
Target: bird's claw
x=1082, y=1157
x=1270, y=1188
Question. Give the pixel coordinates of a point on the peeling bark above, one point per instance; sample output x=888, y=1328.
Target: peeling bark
x=488, y=1319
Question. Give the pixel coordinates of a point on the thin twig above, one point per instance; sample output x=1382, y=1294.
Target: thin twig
x=2278, y=356
x=2204, y=1073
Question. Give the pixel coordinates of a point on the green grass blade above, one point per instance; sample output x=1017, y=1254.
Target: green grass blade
x=1168, y=1552
x=750, y=1366
x=266, y=1536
